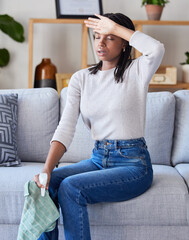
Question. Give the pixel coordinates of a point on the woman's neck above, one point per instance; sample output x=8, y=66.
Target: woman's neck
x=107, y=66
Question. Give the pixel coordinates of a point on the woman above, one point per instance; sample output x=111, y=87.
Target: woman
x=111, y=98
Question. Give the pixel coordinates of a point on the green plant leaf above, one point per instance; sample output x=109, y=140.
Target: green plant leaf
x=187, y=54
x=154, y=2
x=12, y=28
x=4, y=57
x=187, y=59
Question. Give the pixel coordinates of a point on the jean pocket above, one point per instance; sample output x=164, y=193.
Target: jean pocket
x=132, y=156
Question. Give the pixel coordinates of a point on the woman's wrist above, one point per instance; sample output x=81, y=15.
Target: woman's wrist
x=47, y=170
x=122, y=32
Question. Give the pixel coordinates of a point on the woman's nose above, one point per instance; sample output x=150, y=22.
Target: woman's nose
x=101, y=42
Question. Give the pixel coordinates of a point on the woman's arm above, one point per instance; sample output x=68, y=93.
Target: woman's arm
x=65, y=131
x=56, y=151
x=152, y=54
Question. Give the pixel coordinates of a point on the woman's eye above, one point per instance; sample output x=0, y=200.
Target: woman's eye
x=110, y=38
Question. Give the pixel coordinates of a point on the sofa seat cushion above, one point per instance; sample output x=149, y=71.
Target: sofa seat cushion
x=12, y=181
x=165, y=203
x=183, y=169
x=12, y=190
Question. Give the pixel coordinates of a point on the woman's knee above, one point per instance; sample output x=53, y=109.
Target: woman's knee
x=69, y=190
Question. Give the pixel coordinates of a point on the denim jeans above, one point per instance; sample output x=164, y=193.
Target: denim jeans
x=118, y=170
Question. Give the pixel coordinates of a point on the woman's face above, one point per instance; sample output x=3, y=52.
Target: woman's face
x=109, y=48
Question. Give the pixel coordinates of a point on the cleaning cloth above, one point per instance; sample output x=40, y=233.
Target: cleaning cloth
x=39, y=213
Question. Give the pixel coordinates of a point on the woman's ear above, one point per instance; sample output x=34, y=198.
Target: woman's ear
x=124, y=45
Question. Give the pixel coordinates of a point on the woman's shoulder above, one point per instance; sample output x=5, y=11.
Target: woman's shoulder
x=81, y=73
x=79, y=77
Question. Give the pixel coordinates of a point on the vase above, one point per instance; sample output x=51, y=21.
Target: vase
x=45, y=74
x=185, y=73
x=154, y=11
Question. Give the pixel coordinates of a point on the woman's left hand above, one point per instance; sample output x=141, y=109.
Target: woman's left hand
x=101, y=25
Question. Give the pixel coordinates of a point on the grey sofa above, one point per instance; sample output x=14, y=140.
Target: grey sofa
x=161, y=213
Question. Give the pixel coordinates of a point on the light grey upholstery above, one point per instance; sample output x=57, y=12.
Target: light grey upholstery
x=159, y=122
x=160, y=114
x=11, y=190
x=160, y=213
x=183, y=169
x=82, y=144
x=181, y=135
x=38, y=115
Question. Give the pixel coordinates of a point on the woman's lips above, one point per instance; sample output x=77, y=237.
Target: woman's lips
x=101, y=52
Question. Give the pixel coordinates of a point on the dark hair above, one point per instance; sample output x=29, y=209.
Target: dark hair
x=125, y=58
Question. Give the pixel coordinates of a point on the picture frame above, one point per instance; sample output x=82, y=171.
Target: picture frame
x=78, y=8
x=62, y=80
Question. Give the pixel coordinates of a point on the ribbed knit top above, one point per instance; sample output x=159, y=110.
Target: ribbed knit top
x=111, y=110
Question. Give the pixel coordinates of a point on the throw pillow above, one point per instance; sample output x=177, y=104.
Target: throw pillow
x=8, y=128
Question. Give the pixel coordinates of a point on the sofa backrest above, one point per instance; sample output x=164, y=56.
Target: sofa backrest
x=180, y=152
x=158, y=134
x=38, y=116
x=82, y=144
x=160, y=114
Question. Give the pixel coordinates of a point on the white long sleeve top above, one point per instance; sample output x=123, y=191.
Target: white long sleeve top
x=109, y=109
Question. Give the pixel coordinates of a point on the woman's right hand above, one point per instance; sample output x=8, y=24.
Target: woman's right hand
x=101, y=25
x=36, y=180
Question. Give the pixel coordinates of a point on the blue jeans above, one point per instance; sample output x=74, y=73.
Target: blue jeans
x=118, y=170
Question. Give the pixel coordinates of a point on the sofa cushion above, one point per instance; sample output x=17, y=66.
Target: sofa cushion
x=38, y=115
x=82, y=143
x=160, y=112
x=158, y=133
x=8, y=130
x=181, y=135
x=165, y=203
x=183, y=169
x=12, y=190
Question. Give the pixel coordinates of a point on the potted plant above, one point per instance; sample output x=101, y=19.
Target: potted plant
x=154, y=8
x=14, y=30
x=185, y=68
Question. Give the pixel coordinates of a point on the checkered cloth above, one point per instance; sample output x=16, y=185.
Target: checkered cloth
x=39, y=214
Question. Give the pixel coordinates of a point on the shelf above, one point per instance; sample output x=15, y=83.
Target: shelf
x=84, y=47
x=140, y=23
x=154, y=22
x=165, y=86
x=51, y=20
x=84, y=41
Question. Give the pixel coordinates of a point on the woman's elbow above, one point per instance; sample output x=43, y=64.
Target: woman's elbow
x=160, y=50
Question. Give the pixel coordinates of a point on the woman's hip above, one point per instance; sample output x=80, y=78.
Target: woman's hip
x=117, y=153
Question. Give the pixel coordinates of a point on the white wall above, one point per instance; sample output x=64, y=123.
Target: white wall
x=62, y=42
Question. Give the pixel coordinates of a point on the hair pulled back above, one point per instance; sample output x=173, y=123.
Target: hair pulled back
x=125, y=58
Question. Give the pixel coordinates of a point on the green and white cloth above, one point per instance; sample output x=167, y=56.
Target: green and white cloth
x=39, y=214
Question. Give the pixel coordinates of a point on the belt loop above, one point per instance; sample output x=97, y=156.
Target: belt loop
x=144, y=141
x=116, y=145
x=96, y=145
